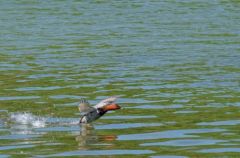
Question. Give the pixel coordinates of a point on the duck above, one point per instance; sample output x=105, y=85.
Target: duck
x=92, y=113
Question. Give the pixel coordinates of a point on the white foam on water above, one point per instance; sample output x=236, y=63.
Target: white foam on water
x=74, y=122
x=28, y=119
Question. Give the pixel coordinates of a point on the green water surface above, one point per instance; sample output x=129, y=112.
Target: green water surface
x=174, y=64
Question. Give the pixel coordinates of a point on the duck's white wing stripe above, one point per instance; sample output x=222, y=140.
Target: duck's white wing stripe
x=110, y=99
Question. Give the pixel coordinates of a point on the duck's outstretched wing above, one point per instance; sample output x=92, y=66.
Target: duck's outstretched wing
x=107, y=101
x=84, y=106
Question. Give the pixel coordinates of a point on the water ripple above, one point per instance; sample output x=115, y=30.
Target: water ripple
x=17, y=136
x=15, y=147
x=123, y=117
x=157, y=106
x=220, y=123
x=169, y=134
x=19, y=97
x=38, y=88
x=185, y=142
x=220, y=150
x=102, y=152
x=127, y=125
x=168, y=156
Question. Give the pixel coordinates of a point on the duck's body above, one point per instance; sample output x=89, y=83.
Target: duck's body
x=92, y=113
x=91, y=116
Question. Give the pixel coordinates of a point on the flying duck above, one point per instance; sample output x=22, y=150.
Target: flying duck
x=92, y=113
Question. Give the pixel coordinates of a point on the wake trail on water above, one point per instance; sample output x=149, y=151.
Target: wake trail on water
x=28, y=119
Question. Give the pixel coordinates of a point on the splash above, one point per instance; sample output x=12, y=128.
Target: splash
x=28, y=119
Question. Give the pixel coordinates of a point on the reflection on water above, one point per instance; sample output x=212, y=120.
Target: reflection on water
x=88, y=136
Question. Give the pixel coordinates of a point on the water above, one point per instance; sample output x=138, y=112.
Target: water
x=174, y=64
